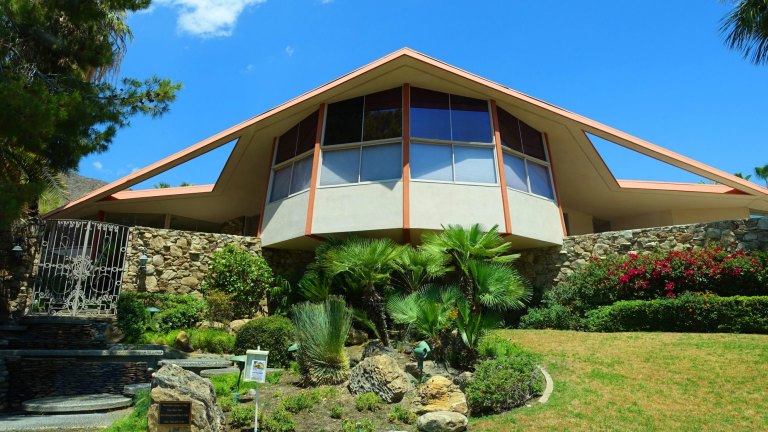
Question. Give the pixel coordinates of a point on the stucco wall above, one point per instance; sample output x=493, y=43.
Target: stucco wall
x=358, y=208
x=437, y=204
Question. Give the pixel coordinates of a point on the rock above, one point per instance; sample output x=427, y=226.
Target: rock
x=355, y=354
x=356, y=337
x=463, y=379
x=430, y=369
x=442, y=421
x=157, y=243
x=235, y=325
x=189, y=281
x=440, y=394
x=183, y=343
x=174, y=384
x=376, y=348
x=212, y=325
x=158, y=260
x=150, y=283
x=382, y=375
x=113, y=334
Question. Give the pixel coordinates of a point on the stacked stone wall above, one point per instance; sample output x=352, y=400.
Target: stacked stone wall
x=17, y=274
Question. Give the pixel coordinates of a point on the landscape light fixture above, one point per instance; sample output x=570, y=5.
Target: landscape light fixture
x=143, y=260
x=17, y=250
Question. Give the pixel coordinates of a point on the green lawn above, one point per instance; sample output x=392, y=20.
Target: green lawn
x=644, y=382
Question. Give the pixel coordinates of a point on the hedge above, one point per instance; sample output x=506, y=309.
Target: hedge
x=176, y=312
x=690, y=312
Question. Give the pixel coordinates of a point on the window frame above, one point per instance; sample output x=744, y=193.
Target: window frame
x=452, y=144
x=545, y=163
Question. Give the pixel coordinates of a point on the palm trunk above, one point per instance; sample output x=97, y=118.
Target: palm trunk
x=377, y=306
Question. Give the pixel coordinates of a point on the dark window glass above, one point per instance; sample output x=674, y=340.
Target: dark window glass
x=281, y=183
x=540, y=184
x=383, y=115
x=340, y=167
x=430, y=114
x=286, y=145
x=514, y=173
x=302, y=174
x=509, y=129
x=431, y=162
x=381, y=162
x=533, y=143
x=345, y=122
x=470, y=121
x=307, y=134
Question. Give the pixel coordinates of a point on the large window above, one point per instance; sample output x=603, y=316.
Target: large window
x=525, y=161
x=292, y=168
x=362, y=141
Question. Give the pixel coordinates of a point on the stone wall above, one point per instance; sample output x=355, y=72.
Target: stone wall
x=288, y=264
x=547, y=266
x=178, y=260
x=17, y=274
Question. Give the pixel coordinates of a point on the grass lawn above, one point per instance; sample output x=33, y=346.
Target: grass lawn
x=644, y=382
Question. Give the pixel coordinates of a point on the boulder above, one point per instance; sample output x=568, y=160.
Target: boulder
x=355, y=354
x=442, y=421
x=356, y=337
x=183, y=343
x=235, y=325
x=376, y=348
x=440, y=394
x=430, y=369
x=382, y=375
x=463, y=379
x=212, y=325
x=174, y=384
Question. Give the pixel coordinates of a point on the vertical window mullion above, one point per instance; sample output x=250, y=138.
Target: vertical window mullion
x=362, y=122
x=527, y=176
x=359, y=163
x=453, y=163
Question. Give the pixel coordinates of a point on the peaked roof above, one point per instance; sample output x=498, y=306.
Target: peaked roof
x=406, y=56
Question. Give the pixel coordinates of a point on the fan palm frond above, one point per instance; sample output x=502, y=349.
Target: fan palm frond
x=498, y=286
x=746, y=29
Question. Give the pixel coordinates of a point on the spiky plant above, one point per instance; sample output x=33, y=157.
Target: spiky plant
x=321, y=330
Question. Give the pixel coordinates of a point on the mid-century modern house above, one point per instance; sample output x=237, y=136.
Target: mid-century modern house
x=407, y=144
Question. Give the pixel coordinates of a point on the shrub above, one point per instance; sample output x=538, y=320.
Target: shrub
x=225, y=385
x=226, y=403
x=273, y=333
x=131, y=316
x=363, y=425
x=503, y=383
x=368, y=401
x=402, y=415
x=206, y=340
x=552, y=316
x=274, y=377
x=240, y=416
x=245, y=276
x=337, y=411
x=180, y=312
x=321, y=330
x=277, y=421
x=690, y=312
x=302, y=401
x=176, y=312
x=492, y=347
x=219, y=306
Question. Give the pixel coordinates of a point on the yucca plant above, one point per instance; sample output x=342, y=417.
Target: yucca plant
x=321, y=330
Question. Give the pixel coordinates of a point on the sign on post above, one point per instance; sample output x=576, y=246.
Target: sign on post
x=256, y=371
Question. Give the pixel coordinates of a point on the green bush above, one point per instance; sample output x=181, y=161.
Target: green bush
x=321, y=330
x=225, y=385
x=364, y=425
x=492, y=347
x=240, y=416
x=132, y=319
x=242, y=274
x=206, y=340
x=336, y=411
x=690, y=312
x=176, y=312
x=368, y=401
x=552, y=316
x=302, y=401
x=226, y=403
x=219, y=306
x=272, y=333
x=180, y=312
x=278, y=420
x=402, y=415
x=503, y=383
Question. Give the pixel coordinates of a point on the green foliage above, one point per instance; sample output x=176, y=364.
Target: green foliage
x=278, y=420
x=132, y=319
x=503, y=383
x=745, y=30
x=336, y=411
x=242, y=274
x=302, y=401
x=364, y=425
x=226, y=403
x=428, y=312
x=553, y=316
x=493, y=347
x=368, y=401
x=206, y=340
x=176, y=312
x=321, y=330
x=402, y=415
x=219, y=306
x=241, y=416
x=274, y=377
x=690, y=312
x=57, y=59
x=136, y=420
x=225, y=385
x=273, y=333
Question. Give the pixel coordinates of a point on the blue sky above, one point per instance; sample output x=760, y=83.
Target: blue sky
x=656, y=69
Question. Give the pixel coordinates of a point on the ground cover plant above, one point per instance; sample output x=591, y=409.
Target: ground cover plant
x=206, y=340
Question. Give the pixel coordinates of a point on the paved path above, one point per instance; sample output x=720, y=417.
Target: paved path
x=60, y=422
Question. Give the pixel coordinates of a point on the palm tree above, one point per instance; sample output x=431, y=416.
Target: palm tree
x=743, y=176
x=746, y=29
x=762, y=173
x=366, y=265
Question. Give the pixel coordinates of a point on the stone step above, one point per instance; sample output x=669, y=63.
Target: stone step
x=130, y=390
x=59, y=422
x=207, y=373
x=12, y=328
x=76, y=404
x=197, y=365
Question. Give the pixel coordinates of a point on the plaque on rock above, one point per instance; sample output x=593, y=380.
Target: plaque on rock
x=174, y=413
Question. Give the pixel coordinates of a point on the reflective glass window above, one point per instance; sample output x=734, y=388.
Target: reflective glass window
x=533, y=143
x=540, y=184
x=345, y=121
x=509, y=129
x=430, y=114
x=470, y=120
x=383, y=117
x=340, y=167
x=307, y=134
x=381, y=162
x=302, y=175
x=514, y=172
x=281, y=182
x=431, y=162
x=286, y=145
x=474, y=164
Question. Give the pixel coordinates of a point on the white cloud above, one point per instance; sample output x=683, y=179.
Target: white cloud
x=326, y=1
x=208, y=18
x=289, y=50
x=248, y=69
x=98, y=165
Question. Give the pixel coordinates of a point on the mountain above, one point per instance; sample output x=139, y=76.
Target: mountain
x=78, y=185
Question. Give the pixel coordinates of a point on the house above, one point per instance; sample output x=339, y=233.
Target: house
x=407, y=144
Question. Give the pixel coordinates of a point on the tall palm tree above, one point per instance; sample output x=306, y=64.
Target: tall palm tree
x=743, y=176
x=762, y=173
x=746, y=29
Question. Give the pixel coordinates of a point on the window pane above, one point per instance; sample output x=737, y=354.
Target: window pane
x=345, y=122
x=381, y=162
x=340, y=167
x=474, y=164
x=430, y=115
x=281, y=180
x=540, y=184
x=470, y=121
x=509, y=129
x=533, y=143
x=514, y=173
x=431, y=162
x=302, y=175
x=383, y=115
x=286, y=145
x=307, y=133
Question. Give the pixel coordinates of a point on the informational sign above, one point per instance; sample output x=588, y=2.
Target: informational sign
x=174, y=413
x=258, y=371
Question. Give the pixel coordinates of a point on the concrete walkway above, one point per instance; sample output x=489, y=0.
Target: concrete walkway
x=60, y=422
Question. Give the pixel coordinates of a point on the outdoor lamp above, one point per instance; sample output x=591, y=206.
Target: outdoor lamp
x=152, y=311
x=17, y=250
x=240, y=361
x=143, y=260
x=421, y=351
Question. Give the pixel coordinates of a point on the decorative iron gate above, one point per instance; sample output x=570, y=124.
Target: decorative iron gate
x=80, y=269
